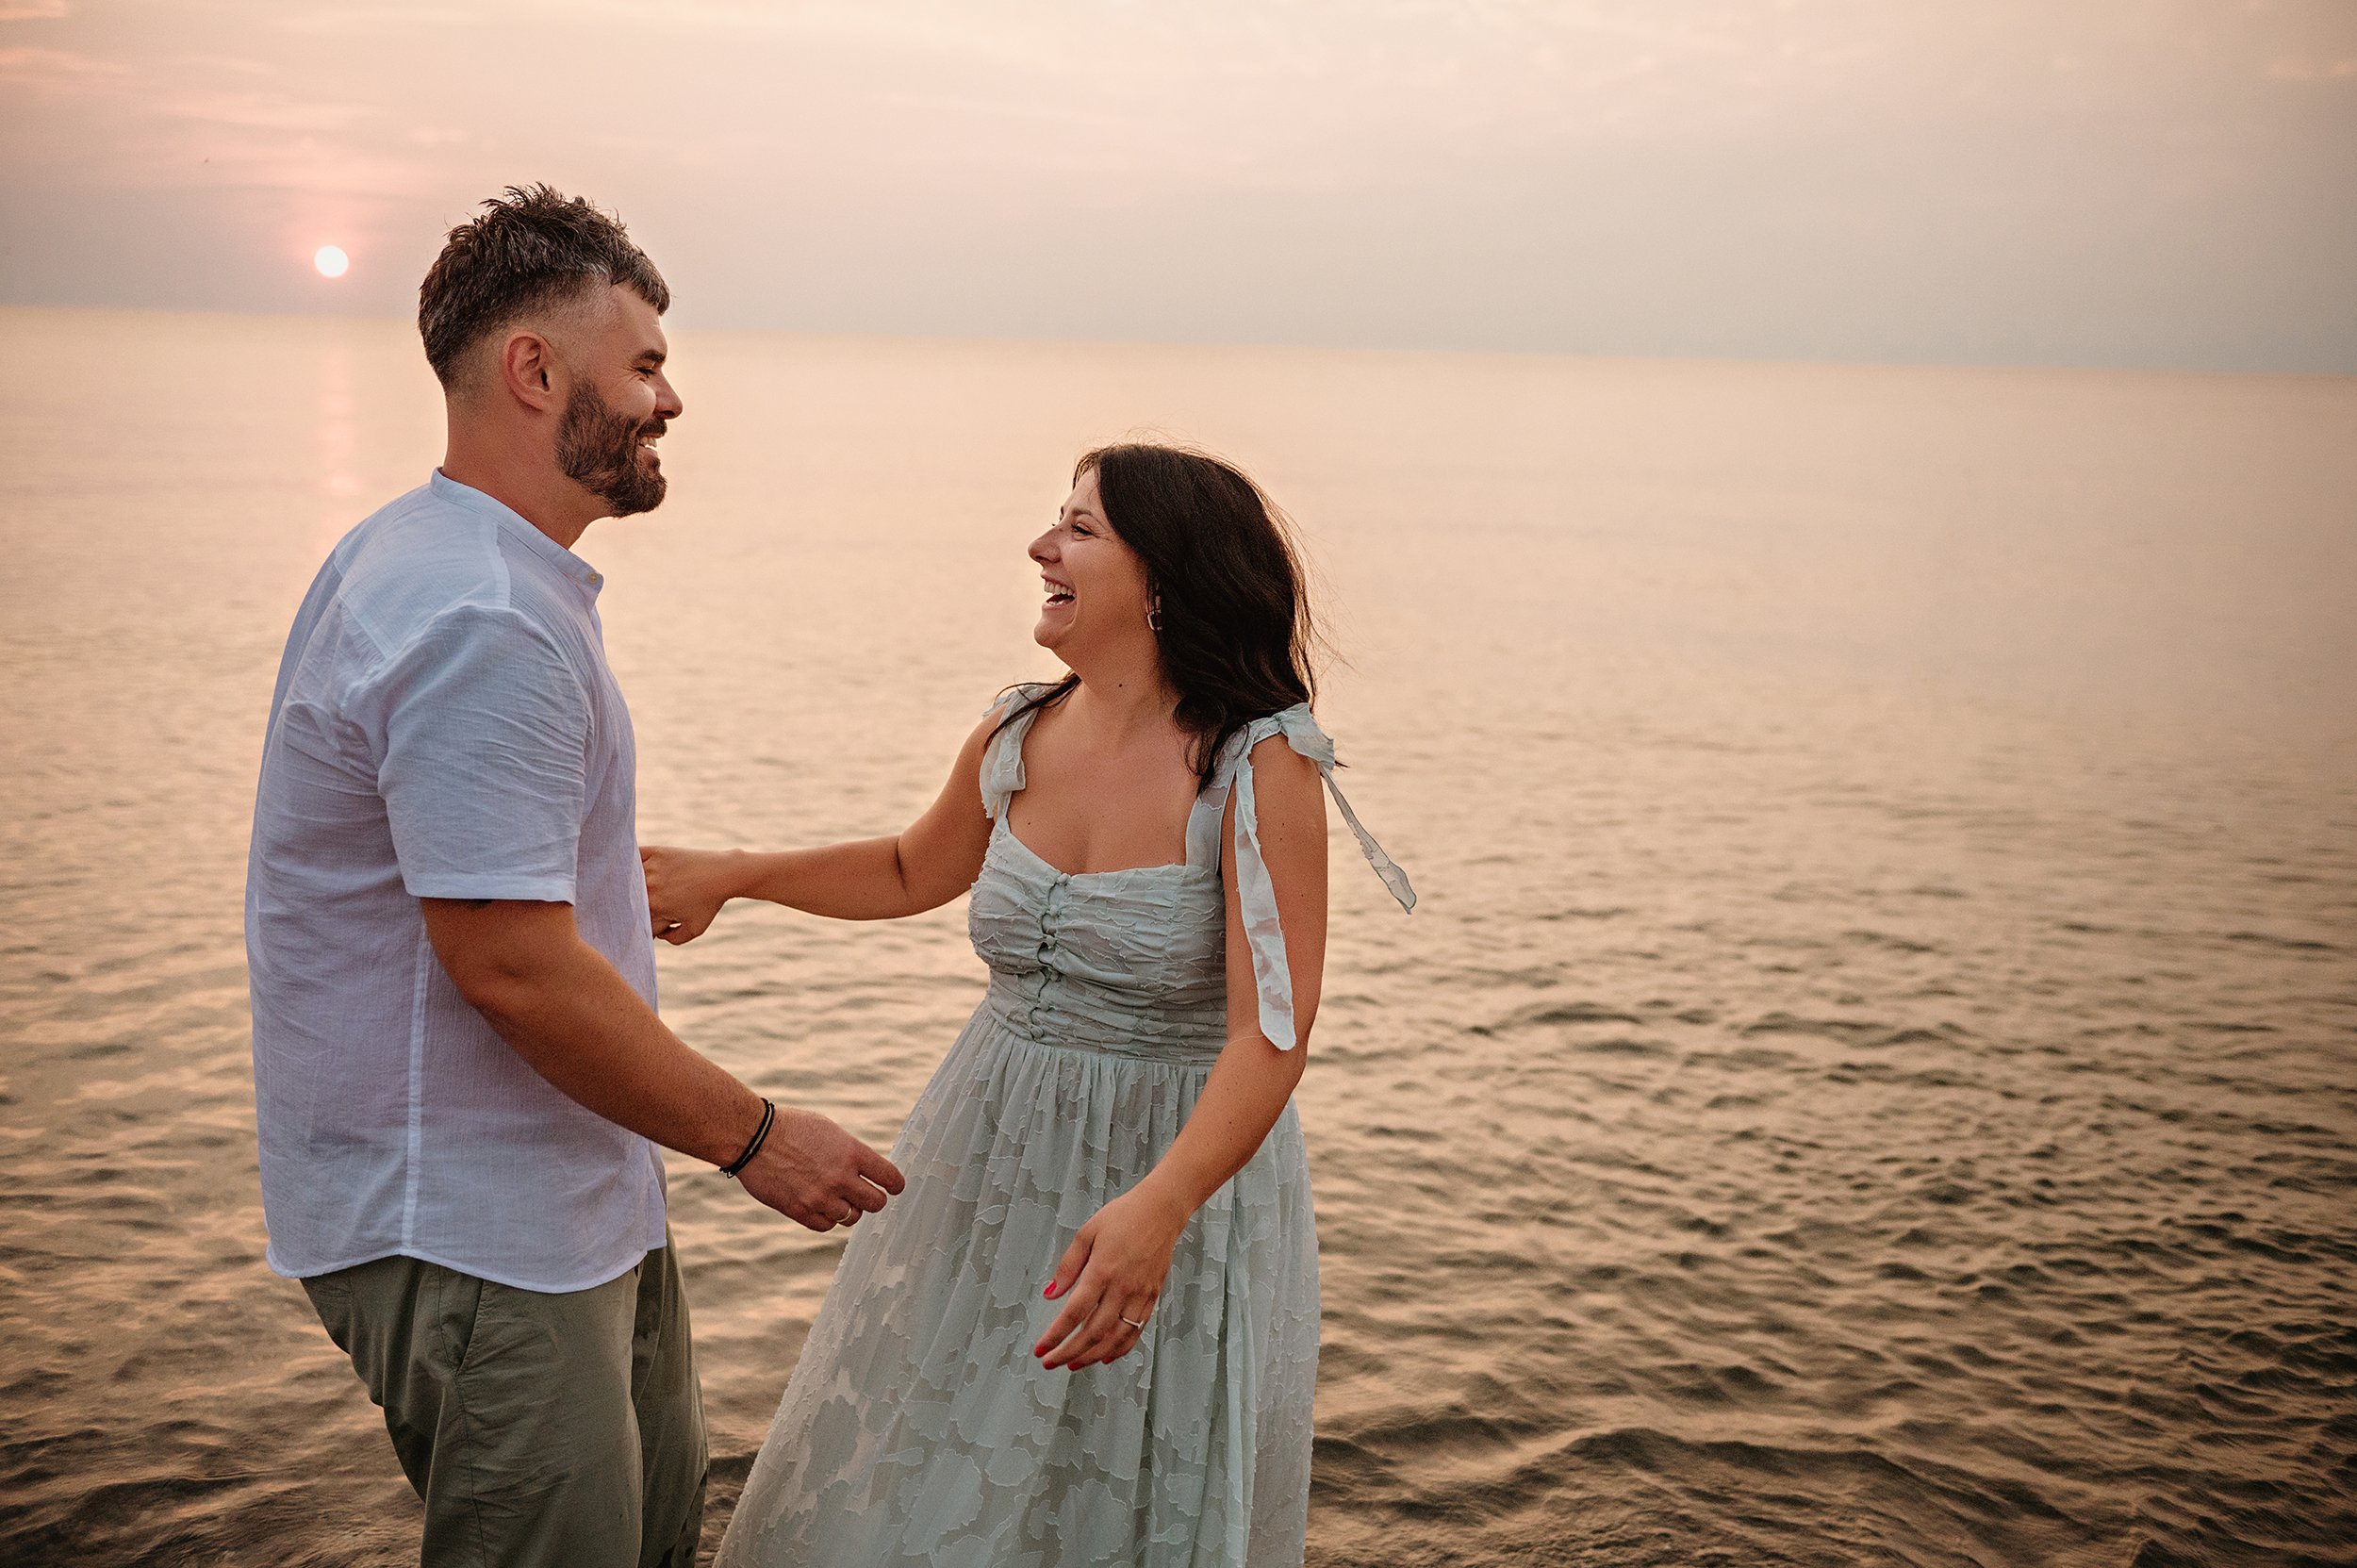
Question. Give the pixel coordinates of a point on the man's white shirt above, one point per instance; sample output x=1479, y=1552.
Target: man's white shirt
x=444, y=726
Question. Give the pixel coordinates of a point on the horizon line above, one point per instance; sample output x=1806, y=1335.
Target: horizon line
x=1812, y=361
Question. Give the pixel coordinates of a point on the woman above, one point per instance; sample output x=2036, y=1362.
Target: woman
x=1088, y=1332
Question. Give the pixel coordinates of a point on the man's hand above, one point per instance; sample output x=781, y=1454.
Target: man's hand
x=814, y=1173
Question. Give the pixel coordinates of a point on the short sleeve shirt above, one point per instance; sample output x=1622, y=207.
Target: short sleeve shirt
x=444, y=726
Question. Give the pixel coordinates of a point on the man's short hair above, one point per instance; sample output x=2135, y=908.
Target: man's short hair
x=531, y=249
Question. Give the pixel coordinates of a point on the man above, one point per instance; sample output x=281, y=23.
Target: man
x=459, y=1075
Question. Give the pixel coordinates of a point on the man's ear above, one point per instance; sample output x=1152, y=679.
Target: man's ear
x=528, y=370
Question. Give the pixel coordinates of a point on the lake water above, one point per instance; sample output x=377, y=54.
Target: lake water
x=1870, y=1081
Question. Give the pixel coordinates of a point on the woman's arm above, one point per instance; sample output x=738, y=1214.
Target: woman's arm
x=1117, y=1264
x=923, y=867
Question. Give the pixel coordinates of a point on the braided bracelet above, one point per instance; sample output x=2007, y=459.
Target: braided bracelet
x=760, y=1135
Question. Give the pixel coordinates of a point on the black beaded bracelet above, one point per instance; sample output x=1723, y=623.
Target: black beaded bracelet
x=760, y=1135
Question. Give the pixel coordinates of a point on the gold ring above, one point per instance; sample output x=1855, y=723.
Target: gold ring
x=1131, y=1321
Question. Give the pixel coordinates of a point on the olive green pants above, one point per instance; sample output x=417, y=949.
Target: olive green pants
x=541, y=1430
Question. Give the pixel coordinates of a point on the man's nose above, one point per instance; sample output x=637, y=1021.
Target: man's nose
x=667, y=402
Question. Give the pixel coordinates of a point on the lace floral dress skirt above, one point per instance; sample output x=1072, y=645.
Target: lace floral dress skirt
x=918, y=1427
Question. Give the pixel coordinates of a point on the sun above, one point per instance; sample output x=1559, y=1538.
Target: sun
x=331, y=261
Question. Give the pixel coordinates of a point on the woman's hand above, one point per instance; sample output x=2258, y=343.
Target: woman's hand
x=685, y=888
x=1111, y=1276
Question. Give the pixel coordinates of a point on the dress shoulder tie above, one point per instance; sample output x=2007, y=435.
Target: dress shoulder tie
x=1255, y=894
x=1002, y=759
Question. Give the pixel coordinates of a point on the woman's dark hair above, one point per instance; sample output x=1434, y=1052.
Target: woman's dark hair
x=1237, y=635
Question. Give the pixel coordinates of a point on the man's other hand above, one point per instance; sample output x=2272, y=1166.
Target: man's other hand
x=813, y=1172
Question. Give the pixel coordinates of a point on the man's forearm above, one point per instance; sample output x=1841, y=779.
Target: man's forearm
x=577, y=1023
x=522, y=964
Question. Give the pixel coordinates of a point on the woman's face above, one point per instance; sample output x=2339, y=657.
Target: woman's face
x=1096, y=593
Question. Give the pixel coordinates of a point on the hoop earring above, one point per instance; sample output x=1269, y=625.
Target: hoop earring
x=1154, y=622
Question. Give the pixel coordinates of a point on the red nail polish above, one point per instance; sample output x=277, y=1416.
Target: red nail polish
x=1050, y=1291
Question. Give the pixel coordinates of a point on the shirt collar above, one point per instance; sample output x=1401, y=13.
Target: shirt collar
x=563, y=560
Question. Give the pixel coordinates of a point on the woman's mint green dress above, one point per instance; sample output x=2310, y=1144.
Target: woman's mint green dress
x=918, y=1428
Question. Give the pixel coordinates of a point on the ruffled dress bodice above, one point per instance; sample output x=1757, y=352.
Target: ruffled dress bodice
x=1142, y=951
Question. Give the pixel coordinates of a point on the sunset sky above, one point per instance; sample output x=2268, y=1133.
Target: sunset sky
x=2111, y=182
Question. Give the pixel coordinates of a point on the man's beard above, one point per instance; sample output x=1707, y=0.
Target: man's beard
x=598, y=449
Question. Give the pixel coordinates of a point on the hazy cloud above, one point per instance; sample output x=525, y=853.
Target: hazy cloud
x=2294, y=70
x=2128, y=181
x=40, y=70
